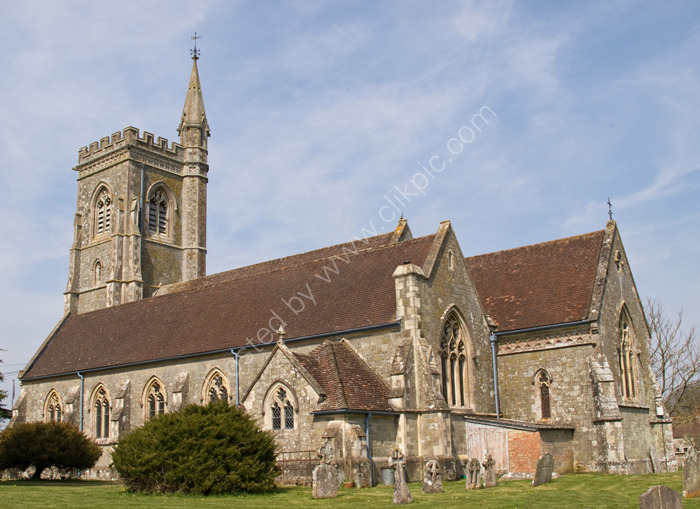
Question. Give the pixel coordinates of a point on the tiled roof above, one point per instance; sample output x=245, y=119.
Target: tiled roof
x=324, y=291
x=350, y=384
x=542, y=284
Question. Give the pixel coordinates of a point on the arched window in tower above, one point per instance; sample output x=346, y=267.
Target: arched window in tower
x=158, y=208
x=542, y=383
x=155, y=400
x=103, y=212
x=98, y=272
x=455, y=370
x=626, y=353
x=53, y=411
x=281, y=410
x=217, y=388
x=101, y=407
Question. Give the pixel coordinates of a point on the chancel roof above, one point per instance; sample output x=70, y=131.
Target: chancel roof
x=334, y=289
x=541, y=284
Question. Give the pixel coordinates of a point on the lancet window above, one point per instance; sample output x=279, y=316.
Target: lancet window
x=542, y=383
x=53, y=408
x=627, y=358
x=101, y=408
x=282, y=410
x=455, y=373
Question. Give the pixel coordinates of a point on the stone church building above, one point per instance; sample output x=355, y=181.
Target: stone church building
x=382, y=342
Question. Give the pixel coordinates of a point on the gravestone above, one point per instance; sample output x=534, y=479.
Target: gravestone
x=545, y=467
x=691, y=475
x=655, y=462
x=489, y=471
x=432, y=477
x=661, y=497
x=325, y=476
x=401, y=493
x=473, y=474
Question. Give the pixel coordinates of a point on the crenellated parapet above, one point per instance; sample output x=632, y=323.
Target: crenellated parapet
x=129, y=137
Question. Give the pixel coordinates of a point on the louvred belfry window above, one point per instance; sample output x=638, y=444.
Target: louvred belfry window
x=158, y=213
x=103, y=213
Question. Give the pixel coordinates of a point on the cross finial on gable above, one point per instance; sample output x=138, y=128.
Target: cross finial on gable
x=609, y=208
x=280, y=335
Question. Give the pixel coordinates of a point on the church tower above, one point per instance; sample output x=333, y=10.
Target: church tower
x=141, y=212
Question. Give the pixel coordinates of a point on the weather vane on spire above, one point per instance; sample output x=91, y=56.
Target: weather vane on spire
x=195, y=52
x=609, y=208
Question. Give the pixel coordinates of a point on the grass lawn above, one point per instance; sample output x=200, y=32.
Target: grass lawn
x=581, y=490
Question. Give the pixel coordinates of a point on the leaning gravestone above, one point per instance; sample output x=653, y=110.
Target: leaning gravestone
x=661, y=497
x=325, y=476
x=691, y=475
x=545, y=467
x=489, y=471
x=401, y=493
x=432, y=477
x=473, y=474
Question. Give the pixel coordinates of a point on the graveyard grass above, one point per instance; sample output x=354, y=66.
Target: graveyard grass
x=571, y=491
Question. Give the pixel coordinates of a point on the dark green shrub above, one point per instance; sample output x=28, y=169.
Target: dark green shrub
x=46, y=444
x=211, y=449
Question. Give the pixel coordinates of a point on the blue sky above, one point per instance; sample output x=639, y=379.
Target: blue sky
x=320, y=111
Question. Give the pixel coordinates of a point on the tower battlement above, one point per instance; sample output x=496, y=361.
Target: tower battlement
x=129, y=137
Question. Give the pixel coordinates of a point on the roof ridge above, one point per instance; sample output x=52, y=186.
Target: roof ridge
x=212, y=283
x=538, y=244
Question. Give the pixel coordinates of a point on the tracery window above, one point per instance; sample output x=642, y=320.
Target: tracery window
x=53, y=408
x=542, y=383
x=101, y=407
x=627, y=358
x=282, y=410
x=217, y=388
x=455, y=374
x=103, y=212
x=155, y=402
x=158, y=212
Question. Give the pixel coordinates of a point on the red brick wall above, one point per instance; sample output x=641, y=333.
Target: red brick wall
x=523, y=451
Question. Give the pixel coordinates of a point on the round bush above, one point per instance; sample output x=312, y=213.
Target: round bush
x=212, y=449
x=46, y=444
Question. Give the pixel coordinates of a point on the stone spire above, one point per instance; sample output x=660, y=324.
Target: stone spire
x=194, y=128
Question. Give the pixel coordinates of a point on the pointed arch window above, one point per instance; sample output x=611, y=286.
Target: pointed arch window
x=542, y=383
x=455, y=369
x=98, y=272
x=626, y=353
x=217, y=389
x=282, y=410
x=158, y=212
x=53, y=408
x=103, y=212
x=155, y=401
x=101, y=408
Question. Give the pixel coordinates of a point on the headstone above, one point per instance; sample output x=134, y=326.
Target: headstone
x=325, y=476
x=401, y=493
x=432, y=477
x=545, y=467
x=661, y=497
x=691, y=475
x=473, y=474
x=655, y=462
x=489, y=471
